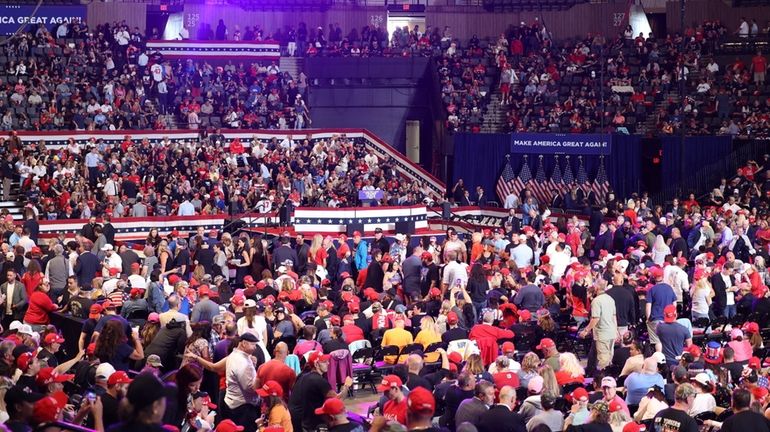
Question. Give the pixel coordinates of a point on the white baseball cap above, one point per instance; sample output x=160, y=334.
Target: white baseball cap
x=104, y=371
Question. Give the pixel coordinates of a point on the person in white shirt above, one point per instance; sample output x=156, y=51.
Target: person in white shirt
x=559, y=261
x=184, y=34
x=743, y=29
x=522, y=254
x=726, y=234
x=111, y=260
x=186, y=208
x=675, y=276
x=288, y=143
x=511, y=201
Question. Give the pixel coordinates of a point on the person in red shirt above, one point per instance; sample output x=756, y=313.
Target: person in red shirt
x=505, y=377
x=351, y=331
x=276, y=370
x=40, y=305
x=759, y=67
x=396, y=406
x=486, y=336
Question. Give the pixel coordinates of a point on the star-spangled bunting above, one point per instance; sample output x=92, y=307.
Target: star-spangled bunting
x=197, y=49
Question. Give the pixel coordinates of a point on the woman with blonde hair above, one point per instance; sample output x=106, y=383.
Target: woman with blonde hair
x=475, y=365
x=570, y=370
x=428, y=335
x=550, y=383
x=618, y=417
x=660, y=250
x=529, y=368
x=701, y=294
x=164, y=257
x=317, y=253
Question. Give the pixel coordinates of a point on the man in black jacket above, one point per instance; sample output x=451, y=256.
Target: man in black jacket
x=108, y=230
x=603, y=241
x=302, y=254
x=285, y=254
x=721, y=282
x=501, y=417
x=380, y=242
x=89, y=230
x=86, y=265
x=374, y=274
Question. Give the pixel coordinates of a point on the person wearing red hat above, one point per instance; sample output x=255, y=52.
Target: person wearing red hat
x=659, y=296
x=29, y=366
x=205, y=309
x=673, y=337
x=311, y=390
x=274, y=406
x=395, y=408
x=117, y=387
x=454, y=331
x=50, y=346
x=335, y=416
x=47, y=410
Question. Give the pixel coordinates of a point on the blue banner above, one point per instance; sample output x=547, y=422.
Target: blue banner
x=12, y=17
x=568, y=144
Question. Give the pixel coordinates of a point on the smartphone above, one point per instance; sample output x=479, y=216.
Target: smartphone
x=91, y=396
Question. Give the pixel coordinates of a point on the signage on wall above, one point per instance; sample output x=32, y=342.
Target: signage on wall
x=13, y=17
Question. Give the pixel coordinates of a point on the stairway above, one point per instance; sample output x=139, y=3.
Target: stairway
x=15, y=203
x=650, y=125
x=292, y=65
x=495, y=117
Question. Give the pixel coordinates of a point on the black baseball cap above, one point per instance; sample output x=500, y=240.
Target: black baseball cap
x=146, y=388
x=249, y=337
x=17, y=394
x=377, y=230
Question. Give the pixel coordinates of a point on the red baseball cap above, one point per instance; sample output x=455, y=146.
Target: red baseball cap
x=204, y=290
x=452, y=318
x=114, y=270
x=248, y=280
x=317, y=356
x=52, y=338
x=356, y=233
x=694, y=350
x=546, y=343
x=95, y=311
x=755, y=363
x=615, y=406
x=421, y=401
x=455, y=357
x=634, y=427
x=760, y=392
x=48, y=375
x=24, y=361
x=331, y=406
x=135, y=266
x=335, y=320
x=389, y=382
x=119, y=377
x=525, y=315
x=549, y=290
x=579, y=394
x=270, y=388
x=656, y=272
x=107, y=304
x=354, y=307
x=228, y=426
x=46, y=410
x=435, y=292
x=508, y=347
x=426, y=256
x=669, y=313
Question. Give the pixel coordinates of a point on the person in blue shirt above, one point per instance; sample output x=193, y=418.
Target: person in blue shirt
x=674, y=337
x=362, y=250
x=659, y=296
x=638, y=383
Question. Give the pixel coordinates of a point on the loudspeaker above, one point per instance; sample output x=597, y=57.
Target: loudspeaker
x=404, y=227
x=354, y=227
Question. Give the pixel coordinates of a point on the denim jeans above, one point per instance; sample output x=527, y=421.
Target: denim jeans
x=731, y=311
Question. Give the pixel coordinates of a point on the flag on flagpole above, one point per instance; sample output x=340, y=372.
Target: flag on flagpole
x=525, y=177
x=601, y=185
x=540, y=187
x=582, y=178
x=557, y=187
x=506, y=182
x=567, y=176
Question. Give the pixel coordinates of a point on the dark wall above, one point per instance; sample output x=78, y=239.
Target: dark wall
x=397, y=90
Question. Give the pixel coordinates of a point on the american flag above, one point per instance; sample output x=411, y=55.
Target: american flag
x=582, y=177
x=524, y=180
x=601, y=185
x=556, y=183
x=507, y=182
x=567, y=177
x=540, y=187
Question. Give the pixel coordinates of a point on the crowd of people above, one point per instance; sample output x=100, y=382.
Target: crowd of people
x=617, y=322
x=74, y=77
x=213, y=175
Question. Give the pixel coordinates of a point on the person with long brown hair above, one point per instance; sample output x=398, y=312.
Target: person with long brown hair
x=188, y=381
x=113, y=347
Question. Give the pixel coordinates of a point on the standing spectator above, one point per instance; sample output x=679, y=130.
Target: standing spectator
x=759, y=67
x=603, y=324
x=311, y=390
x=240, y=401
x=659, y=297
